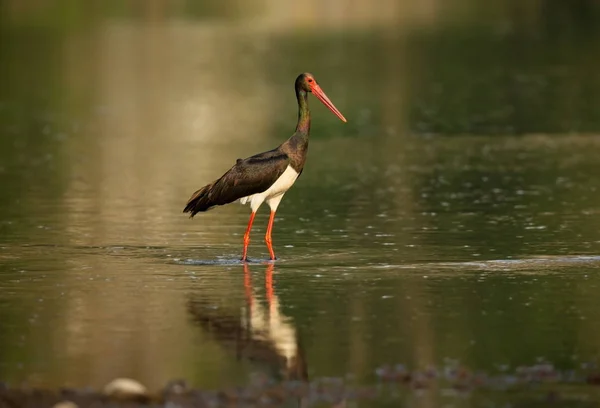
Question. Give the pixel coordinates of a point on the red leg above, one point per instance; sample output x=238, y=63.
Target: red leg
x=247, y=237
x=268, y=239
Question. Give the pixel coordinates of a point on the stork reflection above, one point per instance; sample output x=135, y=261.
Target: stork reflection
x=256, y=332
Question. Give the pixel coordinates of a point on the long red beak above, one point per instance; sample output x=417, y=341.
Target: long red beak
x=318, y=92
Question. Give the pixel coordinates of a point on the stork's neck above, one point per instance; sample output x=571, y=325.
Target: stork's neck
x=297, y=145
x=303, y=126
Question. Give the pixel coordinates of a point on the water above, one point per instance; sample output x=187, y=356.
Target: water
x=453, y=218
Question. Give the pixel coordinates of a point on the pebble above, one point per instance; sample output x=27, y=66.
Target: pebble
x=65, y=404
x=125, y=388
x=177, y=387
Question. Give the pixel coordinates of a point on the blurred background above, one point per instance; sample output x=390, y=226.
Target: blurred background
x=414, y=234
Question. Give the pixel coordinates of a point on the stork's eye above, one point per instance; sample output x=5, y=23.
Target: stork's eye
x=310, y=80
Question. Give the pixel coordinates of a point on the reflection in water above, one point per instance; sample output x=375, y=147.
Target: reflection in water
x=261, y=335
x=481, y=247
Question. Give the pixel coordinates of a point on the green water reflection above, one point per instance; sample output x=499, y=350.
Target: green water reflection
x=454, y=216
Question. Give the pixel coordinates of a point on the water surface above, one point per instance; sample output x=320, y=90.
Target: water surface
x=454, y=218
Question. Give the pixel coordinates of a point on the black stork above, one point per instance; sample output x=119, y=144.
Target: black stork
x=265, y=176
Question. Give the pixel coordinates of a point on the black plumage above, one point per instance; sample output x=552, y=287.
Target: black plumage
x=252, y=175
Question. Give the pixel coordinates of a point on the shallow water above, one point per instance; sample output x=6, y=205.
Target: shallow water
x=419, y=233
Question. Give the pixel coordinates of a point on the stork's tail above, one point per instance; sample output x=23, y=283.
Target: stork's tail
x=200, y=201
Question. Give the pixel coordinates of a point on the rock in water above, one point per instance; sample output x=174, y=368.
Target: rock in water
x=65, y=404
x=125, y=388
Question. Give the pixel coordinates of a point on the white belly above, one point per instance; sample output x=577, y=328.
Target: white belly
x=273, y=194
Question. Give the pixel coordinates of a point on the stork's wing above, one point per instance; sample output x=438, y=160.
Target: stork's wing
x=249, y=176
